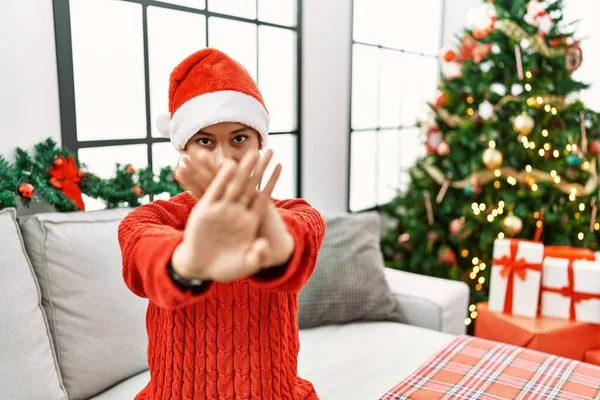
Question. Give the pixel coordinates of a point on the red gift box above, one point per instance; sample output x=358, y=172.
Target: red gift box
x=592, y=357
x=570, y=339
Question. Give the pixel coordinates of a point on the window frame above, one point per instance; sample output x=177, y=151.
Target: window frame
x=378, y=128
x=66, y=84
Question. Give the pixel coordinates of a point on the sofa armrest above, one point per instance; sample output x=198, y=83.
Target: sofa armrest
x=433, y=303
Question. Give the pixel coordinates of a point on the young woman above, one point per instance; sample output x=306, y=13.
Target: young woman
x=222, y=263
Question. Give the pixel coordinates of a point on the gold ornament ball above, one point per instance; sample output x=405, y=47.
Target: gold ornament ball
x=512, y=225
x=523, y=124
x=492, y=158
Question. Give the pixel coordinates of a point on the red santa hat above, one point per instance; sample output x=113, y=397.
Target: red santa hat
x=207, y=88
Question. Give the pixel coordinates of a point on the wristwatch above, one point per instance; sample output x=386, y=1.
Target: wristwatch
x=194, y=285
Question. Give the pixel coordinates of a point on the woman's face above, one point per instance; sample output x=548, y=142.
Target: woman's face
x=224, y=140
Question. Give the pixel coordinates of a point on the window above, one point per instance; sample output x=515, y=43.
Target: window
x=394, y=73
x=115, y=57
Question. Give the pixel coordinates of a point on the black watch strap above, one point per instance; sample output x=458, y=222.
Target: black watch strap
x=195, y=285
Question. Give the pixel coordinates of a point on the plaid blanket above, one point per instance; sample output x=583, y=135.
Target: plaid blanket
x=473, y=368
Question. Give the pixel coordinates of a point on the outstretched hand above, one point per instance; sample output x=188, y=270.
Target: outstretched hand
x=233, y=231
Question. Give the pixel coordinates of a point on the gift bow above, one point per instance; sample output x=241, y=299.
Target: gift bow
x=569, y=291
x=511, y=266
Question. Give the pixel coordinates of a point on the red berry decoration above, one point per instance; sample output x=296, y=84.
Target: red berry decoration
x=137, y=190
x=447, y=256
x=26, y=190
x=130, y=169
x=58, y=162
x=594, y=147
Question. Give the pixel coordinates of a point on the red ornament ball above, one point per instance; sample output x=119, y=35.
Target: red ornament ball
x=447, y=256
x=58, y=162
x=137, y=190
x=26, y=190
x=130, y=169
x=594, y=147
x=443, y=149
x=449, y=55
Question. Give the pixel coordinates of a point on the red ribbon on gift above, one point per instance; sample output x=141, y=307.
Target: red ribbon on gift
x=511, y=267
x=569, y=291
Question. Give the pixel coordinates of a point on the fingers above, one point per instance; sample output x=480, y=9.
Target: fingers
x=256, y=256
x=238, y=184
x=255, y=180
x=193, y=178
x=270, y=186
x=218, y=186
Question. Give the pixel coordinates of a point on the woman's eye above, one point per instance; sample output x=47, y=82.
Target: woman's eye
x=240, y=139
x=204, y=141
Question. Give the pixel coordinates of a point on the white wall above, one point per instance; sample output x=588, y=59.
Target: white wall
x=588, y=29
x=326, y=90
x=29, y=105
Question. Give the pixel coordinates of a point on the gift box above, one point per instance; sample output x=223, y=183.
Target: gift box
x=561, y=337
x=516, y=277
x=570, y=284
x=592, y=357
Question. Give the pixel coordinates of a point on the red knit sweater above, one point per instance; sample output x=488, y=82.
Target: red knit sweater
x=234, y=341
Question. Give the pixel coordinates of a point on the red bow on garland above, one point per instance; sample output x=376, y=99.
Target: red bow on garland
x=66, y=176
x=471, y=49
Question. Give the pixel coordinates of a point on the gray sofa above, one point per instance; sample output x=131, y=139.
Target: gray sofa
x=70, y=329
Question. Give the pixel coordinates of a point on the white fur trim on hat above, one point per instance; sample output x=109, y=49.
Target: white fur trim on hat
x=162, y=123
x=213, y=108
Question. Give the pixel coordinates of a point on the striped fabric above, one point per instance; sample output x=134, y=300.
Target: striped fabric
x=473, y=368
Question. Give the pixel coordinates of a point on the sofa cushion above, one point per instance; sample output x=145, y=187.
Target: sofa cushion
x=97, y=324
x=127, y=389
x=28, y=368
x=348, y=283
x=364, y=360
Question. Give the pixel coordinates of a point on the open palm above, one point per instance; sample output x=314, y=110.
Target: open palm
x=221, y=240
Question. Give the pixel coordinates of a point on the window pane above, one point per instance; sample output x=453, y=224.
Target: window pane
x=164, y=155
x=390, y=89
x=277, y=76
x=413, y=28
x=101, y=160
x=410, y=150
x=281, y=12
x=188, y=3
x=420, y=77
x=239, y=8
x=388, y=165
x=285, y=153
x=108, y=67
x=172, y=36
x=367, y=20
x=363, y=170
x=365, y=68
x=237, y=39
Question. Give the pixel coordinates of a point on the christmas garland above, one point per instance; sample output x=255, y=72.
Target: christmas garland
x=55, y=176
x=487, y=176
x=538, y=42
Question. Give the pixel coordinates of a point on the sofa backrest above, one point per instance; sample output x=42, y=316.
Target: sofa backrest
x=28, y=367
x=97, y=325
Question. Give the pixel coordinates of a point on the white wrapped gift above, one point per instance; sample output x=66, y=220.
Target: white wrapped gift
x=571, y=288
x=516, y=277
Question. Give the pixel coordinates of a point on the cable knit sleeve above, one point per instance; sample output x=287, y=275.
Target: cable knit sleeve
x=148, y=237
x=307, y=227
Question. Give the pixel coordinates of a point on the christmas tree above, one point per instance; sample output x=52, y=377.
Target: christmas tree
x=511, y=151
